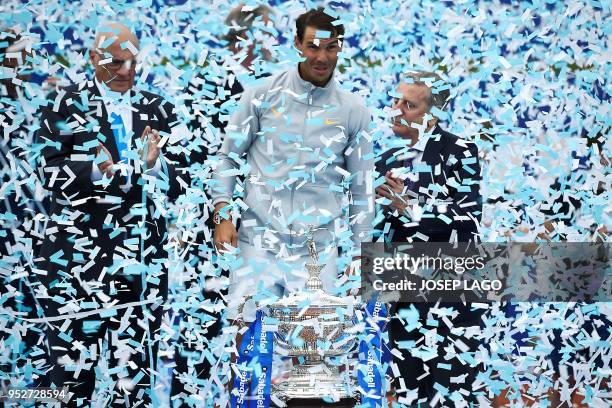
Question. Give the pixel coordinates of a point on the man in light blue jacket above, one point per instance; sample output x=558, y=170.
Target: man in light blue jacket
x=308, y=152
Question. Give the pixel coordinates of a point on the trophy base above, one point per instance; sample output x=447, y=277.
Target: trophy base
x=313, y=382
x=319, y=403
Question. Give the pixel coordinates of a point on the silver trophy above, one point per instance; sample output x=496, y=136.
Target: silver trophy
x=311, y=330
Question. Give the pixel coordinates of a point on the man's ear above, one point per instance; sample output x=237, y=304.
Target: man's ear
x=297, y=43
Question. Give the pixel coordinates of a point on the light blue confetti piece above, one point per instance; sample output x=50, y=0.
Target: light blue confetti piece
x=108, y=313
x=406, y=344
x=445, y=218
x=442, y=115
x=330, y=12
x=441, y=389
x=323, y=34
x=468, y=169
x=91, y=326
x=57, y=258
x=137, y=378
x=23, y=17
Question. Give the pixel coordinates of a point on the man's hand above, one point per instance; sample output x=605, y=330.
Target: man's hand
x=225, y=231
x=151, y=140
x=106, y=167
x=393, y=189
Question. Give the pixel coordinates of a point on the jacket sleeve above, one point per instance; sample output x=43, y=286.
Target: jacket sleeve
x=173, y=177
x=174, y=153
x=240, y=132
x=66, y=166
x=463, y=208
x=360, y=164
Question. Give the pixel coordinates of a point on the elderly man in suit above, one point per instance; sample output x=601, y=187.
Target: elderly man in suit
x=421, y=142
x=108, y=163
x=432, y=194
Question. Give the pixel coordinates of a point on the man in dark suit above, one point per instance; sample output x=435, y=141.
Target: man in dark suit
x=432, y=194
x=110, y=162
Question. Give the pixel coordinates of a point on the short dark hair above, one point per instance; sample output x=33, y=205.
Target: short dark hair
x=439, y=95
x=317, y=18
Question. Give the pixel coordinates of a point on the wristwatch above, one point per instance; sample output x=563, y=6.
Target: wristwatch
x=218, y=218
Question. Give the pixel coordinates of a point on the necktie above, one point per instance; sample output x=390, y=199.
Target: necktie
x=120, y=135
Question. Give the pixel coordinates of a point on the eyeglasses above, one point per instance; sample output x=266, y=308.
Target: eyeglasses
x=114, y=64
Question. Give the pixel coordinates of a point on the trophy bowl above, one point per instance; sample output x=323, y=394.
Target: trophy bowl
x=311, y=329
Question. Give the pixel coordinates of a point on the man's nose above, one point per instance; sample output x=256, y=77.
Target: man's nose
x=321, y=56
x=124, y=70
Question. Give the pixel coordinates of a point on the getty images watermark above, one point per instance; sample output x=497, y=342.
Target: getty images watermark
x=430, y=272
x=458, y=265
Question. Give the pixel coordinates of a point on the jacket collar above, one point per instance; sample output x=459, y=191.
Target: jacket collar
x=430, y=146
x=109, y=96
x=301, y=86
x=100, y=94
x=433, y=147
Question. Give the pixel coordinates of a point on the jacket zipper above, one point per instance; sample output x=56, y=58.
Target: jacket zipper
x=310, y=94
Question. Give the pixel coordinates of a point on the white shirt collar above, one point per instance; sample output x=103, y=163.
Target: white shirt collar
x=110, y=97
x=421, y=143
x=395, y=141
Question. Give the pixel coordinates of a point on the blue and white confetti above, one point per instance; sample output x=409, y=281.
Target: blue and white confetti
x=529, y=84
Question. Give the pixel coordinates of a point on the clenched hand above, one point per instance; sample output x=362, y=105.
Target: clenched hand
x=393, y=189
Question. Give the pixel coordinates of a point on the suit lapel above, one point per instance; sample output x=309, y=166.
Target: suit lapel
x=433, y=158
x=388, y=161
x=431, y=154
x=138, y=125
